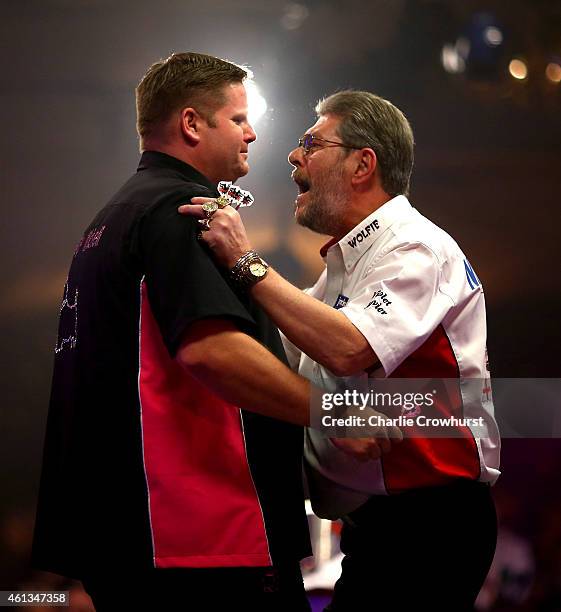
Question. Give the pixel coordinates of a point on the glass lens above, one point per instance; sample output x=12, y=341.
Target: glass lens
x=306, y=142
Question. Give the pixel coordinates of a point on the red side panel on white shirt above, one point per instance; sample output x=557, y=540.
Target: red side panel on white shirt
x=425, y=462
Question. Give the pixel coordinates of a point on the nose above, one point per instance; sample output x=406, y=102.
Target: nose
x=250, y=135
x=296, y=157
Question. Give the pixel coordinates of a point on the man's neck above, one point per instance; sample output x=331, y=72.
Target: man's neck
x=168, y=149
x=362, y=205
x=174, y=151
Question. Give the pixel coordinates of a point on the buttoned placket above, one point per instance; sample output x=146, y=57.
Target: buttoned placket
x=335, y=275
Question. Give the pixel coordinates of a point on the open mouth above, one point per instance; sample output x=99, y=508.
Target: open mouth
x=302, y=184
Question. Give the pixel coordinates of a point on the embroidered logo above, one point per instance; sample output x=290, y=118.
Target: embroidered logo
x=341, y=301
x=364, y=233
x=378, y=301
x=68, y=322
x=90, y=241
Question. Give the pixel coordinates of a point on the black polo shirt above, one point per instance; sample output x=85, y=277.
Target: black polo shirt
x=144, y=466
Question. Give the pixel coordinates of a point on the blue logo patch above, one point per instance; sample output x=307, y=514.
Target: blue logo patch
x=341, y=301
x=471, y=276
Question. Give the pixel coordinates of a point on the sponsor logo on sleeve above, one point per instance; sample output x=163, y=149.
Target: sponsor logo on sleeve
x=471, y=276
x=379, y=302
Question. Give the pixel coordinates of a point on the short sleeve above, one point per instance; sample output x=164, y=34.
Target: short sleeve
x=183, y=283
x=399, y=304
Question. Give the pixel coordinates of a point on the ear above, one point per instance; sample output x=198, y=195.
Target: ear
x=191, y=124
x=365, y=167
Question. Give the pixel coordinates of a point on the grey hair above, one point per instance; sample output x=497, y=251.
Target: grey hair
x=370, y=121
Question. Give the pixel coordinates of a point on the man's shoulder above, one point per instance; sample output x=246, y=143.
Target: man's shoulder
x=150, y=195
x=416, y=229
x=157, y=186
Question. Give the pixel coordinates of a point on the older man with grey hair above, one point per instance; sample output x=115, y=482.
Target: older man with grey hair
x=397, y=299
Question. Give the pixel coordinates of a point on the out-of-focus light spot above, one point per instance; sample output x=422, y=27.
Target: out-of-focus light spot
x=294, y=15
x=256, y=103
x=463, y=47
x=518, y=69
x=553, y=72
x=452, y=60
x=493, y=36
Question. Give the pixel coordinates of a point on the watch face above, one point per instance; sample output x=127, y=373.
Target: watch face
x=257, y=269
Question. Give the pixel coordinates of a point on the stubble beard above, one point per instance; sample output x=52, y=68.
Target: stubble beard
x=324, y=211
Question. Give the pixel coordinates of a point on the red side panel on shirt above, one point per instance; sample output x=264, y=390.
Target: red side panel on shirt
x=204, y=510
x=426, y=462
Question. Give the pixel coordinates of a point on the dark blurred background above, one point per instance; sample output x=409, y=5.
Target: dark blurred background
x=480, y=82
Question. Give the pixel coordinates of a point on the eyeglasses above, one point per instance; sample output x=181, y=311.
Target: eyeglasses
x=309, y=141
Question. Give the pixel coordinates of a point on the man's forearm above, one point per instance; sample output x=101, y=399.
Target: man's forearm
x=320, y=331
x=243, y=372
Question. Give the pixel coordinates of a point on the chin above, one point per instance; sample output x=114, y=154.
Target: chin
x=237, y=173
x=299, y=217
x=244, y=169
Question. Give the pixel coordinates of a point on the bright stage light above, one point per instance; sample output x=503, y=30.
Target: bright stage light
x=518, y=69
x=256, y=102
x=451, y=60
x=553, y=72
x=493, y=36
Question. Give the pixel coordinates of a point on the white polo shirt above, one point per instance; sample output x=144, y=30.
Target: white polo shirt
x=410, y=290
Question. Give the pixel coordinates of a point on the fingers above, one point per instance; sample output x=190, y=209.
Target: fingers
x=361, y=449
x=354, y=447
x=373, y=451
x=365, y=451
x=368, y=449
x=221, y=219
x=392, y=435
x=195, y=208
x=395, y=434
x=192, y=210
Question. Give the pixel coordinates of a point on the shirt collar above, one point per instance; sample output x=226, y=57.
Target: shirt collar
x=157, y=159
x=364, y=235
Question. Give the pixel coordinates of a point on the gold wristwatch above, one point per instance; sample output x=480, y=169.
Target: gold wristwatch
x=248, y=270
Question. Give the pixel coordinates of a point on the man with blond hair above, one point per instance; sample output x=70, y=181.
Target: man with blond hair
x=173, y=453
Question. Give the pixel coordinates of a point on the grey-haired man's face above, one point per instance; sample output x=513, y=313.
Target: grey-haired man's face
x=324, y=188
